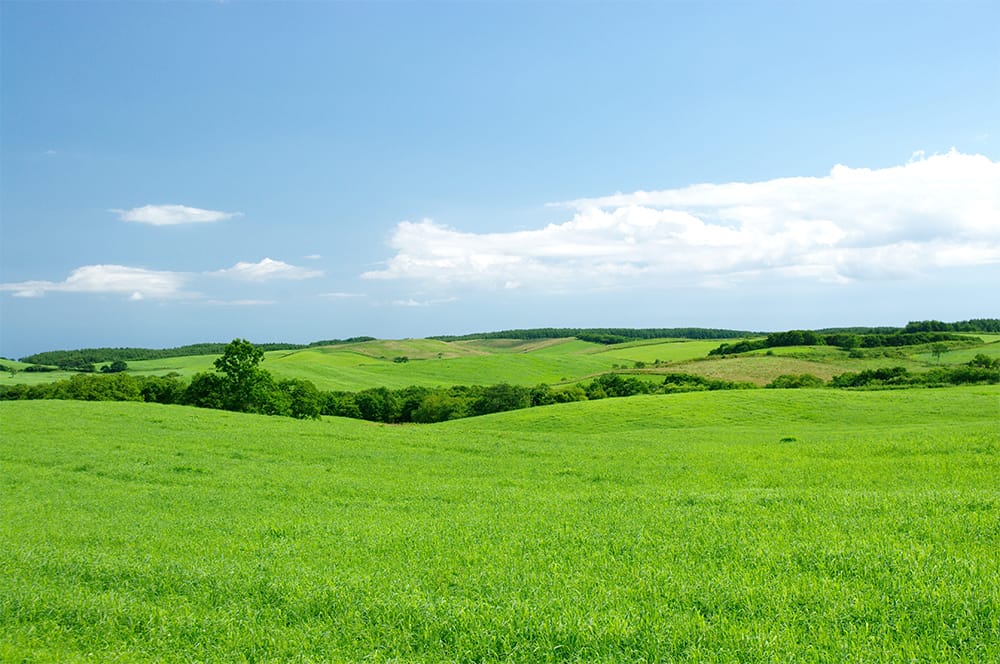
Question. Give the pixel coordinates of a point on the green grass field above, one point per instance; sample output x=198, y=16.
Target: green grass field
x=769, y=525
x=553, y=361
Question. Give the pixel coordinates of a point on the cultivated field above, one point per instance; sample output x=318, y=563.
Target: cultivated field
x=763, y=525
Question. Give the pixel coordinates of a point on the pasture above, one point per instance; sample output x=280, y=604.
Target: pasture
x=432, y=363
x=765, y=525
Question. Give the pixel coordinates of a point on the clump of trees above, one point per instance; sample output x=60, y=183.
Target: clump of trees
x=796, y=381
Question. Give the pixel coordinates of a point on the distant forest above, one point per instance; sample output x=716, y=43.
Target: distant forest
x=606, y=334
x=85, y=359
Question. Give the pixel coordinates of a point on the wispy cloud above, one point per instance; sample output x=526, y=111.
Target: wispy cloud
x=266, y=270
x=240, y=303
x=410, y=302
x=137, y=283
x=313, y=257
x=342, y=295
x=854, y=224
x=172, y=215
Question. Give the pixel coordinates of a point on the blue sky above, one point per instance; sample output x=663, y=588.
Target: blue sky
x=175, y=173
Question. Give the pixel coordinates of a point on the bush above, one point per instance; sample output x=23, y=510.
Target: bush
x=794, y=381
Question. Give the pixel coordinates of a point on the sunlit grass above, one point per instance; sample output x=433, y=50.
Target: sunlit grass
x=752, y=526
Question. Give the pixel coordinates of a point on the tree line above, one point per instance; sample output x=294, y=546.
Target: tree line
x=603, y=334
x=844, y=340
x=85, y=359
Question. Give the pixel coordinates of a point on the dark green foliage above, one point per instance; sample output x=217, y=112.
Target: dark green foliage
x=847, y=341
x=606, y=339
x=206, y=390
x=162, y=389
x=682, y=382
x=500, y=398
x=409, y=399
x=991, y=325
x=438, y=406
x=340, y=342
x=340, y=404
x=616, y=385
x=985, y=362
x=909, y=339
x=973, y=372
x=117, y=366
x=794, y=338
x=542, y=395
x=377, y=404
x=304, y=401
x=402, y=359
x=739, y=347
x=961, y=375
x=792, y=381
x=246, y=386
x=873, y=377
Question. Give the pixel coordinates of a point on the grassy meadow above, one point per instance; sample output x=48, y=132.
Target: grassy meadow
x=433, y=363
x=764, y=525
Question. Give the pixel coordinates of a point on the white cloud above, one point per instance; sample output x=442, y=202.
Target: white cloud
x=313, y=257
x=342, y=295
x=940, y=211
x=266, y=270
x=137, y=283
x=410, y=302
x=172, y=215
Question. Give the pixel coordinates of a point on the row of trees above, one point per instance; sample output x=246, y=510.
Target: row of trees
x=981, y=369
x=84, y=359
x=604, y=335
x=974, y=325
x=844, y=340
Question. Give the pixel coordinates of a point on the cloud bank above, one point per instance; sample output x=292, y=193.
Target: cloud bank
x=172, y=215
x=854, y=224
x=136, y=282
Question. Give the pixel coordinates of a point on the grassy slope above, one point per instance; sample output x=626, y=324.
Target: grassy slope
x=680, y=527
x=553, y=361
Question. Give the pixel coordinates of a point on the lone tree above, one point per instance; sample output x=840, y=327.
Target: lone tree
x=245, y=385
x=937, y=349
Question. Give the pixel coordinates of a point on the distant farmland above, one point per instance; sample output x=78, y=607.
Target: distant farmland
x=356, y=366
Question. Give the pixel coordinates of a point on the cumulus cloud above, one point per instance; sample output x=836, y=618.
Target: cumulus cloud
x=137, y=283
x=853, y=224
x=266, y=270
x=172, y=215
